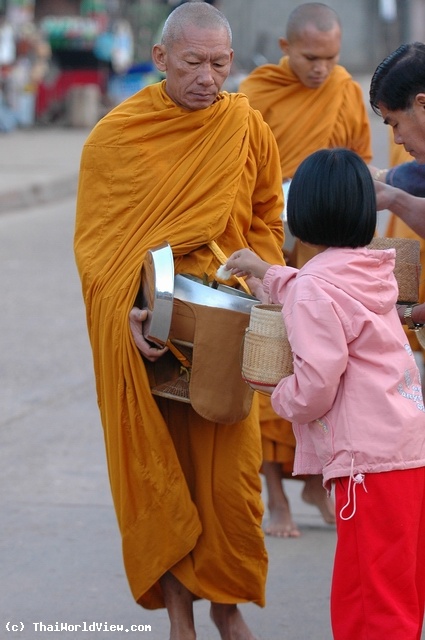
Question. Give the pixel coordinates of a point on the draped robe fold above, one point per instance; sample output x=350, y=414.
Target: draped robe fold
x=304, y=120
x=187, y=493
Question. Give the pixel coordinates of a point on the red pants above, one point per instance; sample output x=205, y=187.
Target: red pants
x=378, y=585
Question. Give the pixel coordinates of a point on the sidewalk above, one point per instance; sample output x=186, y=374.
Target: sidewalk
x=39, y=165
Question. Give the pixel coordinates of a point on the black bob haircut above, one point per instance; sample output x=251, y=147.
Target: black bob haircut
x=332, y=201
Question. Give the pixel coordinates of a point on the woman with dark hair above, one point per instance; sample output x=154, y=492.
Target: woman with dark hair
x=397, y=93
x=354, y=397
x=398, y=79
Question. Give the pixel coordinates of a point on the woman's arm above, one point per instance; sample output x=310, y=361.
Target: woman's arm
x=410, y=209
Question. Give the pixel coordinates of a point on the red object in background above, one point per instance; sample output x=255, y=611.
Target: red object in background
x=53, y=94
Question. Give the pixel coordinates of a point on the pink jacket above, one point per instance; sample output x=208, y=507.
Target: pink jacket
x=355, y=397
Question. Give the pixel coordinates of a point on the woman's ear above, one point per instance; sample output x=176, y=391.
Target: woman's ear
x=420, y=100
x=159, y=56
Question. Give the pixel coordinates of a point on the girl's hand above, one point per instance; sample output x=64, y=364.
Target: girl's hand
x=246, y=263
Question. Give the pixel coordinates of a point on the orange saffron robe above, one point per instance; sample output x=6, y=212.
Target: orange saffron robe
x=304, y=120
x=187, y=493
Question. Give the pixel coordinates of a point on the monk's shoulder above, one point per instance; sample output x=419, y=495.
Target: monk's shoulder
x=342, y=81
x=261, y=77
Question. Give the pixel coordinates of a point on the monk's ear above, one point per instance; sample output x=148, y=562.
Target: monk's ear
x=159, y=57
x=284, y=45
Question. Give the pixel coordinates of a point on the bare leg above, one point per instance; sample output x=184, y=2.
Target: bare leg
x=230, y=623
x=179, y=603
x=281, y=524
x=314, y=493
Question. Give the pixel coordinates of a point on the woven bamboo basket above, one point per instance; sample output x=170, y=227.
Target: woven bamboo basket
x=267, y=354
x=407, y=268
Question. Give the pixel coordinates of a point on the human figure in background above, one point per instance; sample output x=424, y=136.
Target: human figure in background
x=310, y=102
x=354, y=397
x=404, y=173
x=185, y=162
x=397, y=94
x=8, y=120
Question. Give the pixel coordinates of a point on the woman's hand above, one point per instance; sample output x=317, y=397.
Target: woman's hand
x=137, y=317
x=246, y=263
x=257, y=290
x=418, y=312
x=378, y=174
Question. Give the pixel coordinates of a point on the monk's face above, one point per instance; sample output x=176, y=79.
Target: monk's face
x=196, y=66
x=312, y=54
x=409, y=127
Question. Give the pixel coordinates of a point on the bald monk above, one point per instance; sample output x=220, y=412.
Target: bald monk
x=180, y=161
x=310, y=102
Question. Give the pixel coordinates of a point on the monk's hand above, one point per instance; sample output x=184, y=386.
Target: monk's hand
x=137, y=317
x=245, y=262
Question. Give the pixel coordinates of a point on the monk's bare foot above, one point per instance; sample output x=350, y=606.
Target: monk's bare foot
x=280, y=524
x=179, y=603
x=229, y=622
x=314, y=493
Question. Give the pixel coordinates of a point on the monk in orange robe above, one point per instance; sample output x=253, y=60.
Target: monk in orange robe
x=183, y=162
x=310, y=102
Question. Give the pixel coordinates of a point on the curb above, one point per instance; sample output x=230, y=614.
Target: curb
x=38, y=193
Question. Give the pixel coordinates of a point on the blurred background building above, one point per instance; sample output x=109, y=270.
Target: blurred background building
x=69, y=61
x=371, y=28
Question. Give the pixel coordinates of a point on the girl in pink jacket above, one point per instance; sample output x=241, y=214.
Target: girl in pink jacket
x=355, y=396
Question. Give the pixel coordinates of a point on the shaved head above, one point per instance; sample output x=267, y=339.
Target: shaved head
x=315, y=14
x=198, y=14
x=195, y=54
